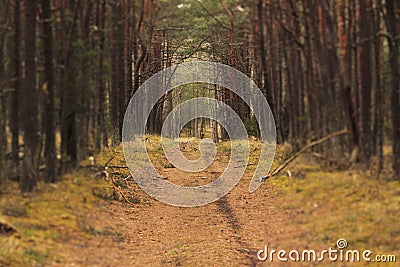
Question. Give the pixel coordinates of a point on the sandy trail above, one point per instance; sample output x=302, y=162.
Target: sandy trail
x=228, y=232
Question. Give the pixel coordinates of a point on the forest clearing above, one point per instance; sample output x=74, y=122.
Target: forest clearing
x=199, y=133
x=84, y=221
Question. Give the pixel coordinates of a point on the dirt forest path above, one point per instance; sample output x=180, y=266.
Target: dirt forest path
x=228, y=232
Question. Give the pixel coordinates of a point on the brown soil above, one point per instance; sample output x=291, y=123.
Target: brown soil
x=228, y=232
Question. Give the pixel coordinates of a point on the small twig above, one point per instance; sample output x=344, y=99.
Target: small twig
x=246, y=165
x=115, y=173
x=118, y=167
x=116, y=187
x=126, y=178
x=106, y=165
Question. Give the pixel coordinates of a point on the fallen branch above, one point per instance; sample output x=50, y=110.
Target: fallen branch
x=118, y=167
x=116, y=187
x=6, y=230
x=108, y=162
x=287, y=161
x=246, y=165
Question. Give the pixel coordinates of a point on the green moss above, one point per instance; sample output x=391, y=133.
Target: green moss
x=36, y=256
x=44, y=219
x=354, y=206
x=15, y=208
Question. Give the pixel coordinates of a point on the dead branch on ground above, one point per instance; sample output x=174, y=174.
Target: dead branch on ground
x=119, y=190
x=290, y=159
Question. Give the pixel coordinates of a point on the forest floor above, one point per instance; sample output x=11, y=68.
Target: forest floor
x=83, y=221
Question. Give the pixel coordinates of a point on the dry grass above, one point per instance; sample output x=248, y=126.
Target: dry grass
x=45, y=219
x=348, y=204
x=328, y=205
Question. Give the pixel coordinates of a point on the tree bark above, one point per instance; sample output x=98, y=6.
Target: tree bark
x=69, y=96
x=392, y=6
x=379, y=118
x=115, y=73
x=50, y=143
x=267, y=88
x=29, y=174
x=102, y=136
x=365, y=75
x=14, y=114
x=3, y=137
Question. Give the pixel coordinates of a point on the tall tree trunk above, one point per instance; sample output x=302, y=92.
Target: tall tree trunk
x=50, y=143
x=392, y=6
x=122, y=80
x=69, y=98
x=379, y=118
x=267, y=88
x=84, y=81
x=312, y=95
x=30, y=111
x=138, y=45
x=102, y=137
x=115, y=73
x=3, y=137
x=365, y=75
x=129, y=49
x=14, y=114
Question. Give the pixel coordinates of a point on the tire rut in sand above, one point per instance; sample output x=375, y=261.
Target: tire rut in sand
x=226, y=209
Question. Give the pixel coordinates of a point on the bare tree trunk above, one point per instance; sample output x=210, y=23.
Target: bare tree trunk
x=139, y=45
x=215, y=123
x=14, y=115
x=266, y=79
x=84, y=81
x=122, y=82
x=392, y=6
x=3, y=137
x=129, y=48
x=365, y=77
x=311, y=74
x=69, y=97
x=50, y=145
x=30, y=111
x=354, y=126
x=115, y=71
x=102, y=137
x=378, y=125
